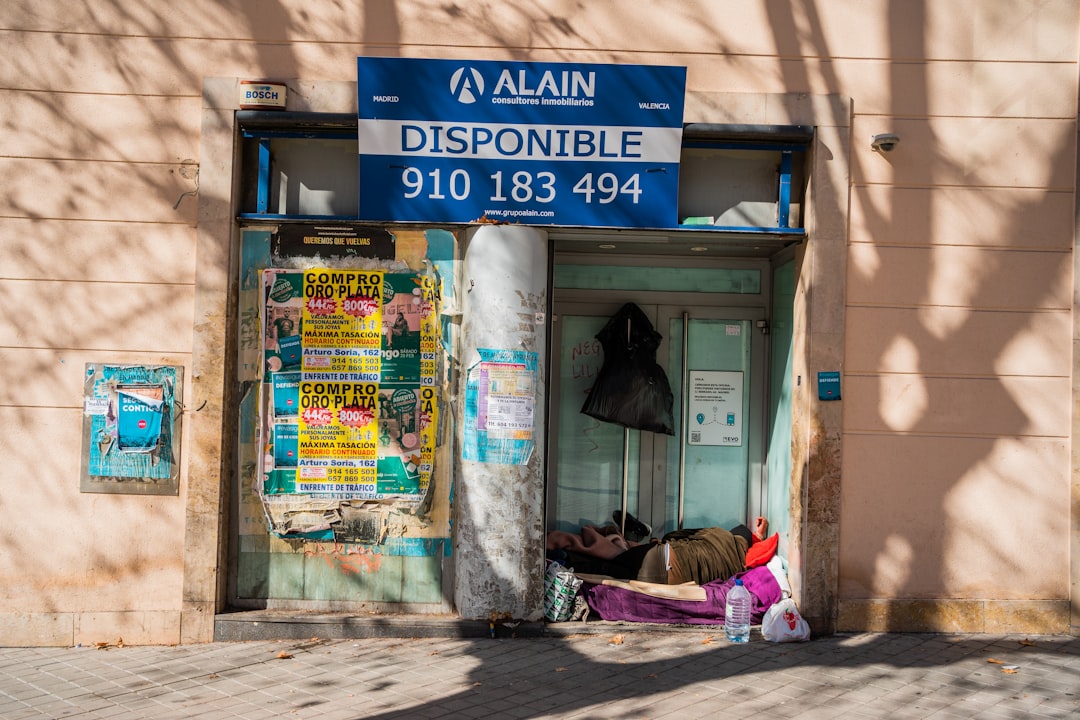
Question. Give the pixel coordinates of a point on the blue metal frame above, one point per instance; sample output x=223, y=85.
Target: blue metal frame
x=744, y=145
x=262, y=202
x=783, y=224
x=784, y=200
x=743, y=229
x=267, y=133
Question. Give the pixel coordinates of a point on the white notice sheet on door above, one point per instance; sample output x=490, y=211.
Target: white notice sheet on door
x=715, y=408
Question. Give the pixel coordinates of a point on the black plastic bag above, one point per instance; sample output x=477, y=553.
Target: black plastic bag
x=631, y=389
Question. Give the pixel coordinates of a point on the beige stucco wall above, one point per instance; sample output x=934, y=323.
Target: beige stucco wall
x=953, y=329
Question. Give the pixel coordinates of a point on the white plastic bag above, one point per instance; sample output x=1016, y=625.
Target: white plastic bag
x=560, y=589
x=783, y=623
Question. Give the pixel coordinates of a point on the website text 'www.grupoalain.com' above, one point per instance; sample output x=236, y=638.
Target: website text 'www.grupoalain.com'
x=517, y=213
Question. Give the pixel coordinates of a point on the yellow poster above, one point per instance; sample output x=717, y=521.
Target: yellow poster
x=352, y=369
x=429, y=415
x=338, y=438
x=428, y=332
x=342, y=325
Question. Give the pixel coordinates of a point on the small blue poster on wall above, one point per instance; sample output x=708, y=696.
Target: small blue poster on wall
x=131, y=429
x=289, y=348
x=828, y=385
x=286, y=445
x=286, y=389
x=138, y=418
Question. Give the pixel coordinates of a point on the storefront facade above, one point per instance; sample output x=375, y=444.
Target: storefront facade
x=932, y=491
x=723, y=282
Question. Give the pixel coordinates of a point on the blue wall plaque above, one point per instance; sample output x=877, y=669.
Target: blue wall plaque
x=828, y=385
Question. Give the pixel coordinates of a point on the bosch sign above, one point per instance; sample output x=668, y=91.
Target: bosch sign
x=259, y=95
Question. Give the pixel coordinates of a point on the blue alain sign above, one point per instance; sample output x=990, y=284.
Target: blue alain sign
x=521, y=142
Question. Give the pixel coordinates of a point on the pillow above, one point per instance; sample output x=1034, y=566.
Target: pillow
x=762, y=551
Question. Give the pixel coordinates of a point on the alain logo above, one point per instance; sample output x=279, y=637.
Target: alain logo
x=466, y=85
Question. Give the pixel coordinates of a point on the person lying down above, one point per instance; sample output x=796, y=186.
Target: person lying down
x=671, y=567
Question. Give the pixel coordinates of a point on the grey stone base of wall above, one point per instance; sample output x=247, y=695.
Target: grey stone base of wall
x=280, y=625
x=1038, y=617
x=267, y=625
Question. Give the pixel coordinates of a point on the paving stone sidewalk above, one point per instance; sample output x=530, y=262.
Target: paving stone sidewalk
x=640, y=675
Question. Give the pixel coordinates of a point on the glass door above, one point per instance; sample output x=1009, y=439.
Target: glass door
x=587, y=457
x=709, y=472
x=711, y=469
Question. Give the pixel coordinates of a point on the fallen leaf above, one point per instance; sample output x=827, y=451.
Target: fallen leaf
x=433, y=652
x=560, y=669
x=995, y=661
x=283, y=655
x=119, y=642
x=1008, y=670
x=1029, y=643
x=617, y=640
x=708, y=640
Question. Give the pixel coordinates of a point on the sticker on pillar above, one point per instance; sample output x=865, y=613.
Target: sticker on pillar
x=500, y=394
x=131, y=429
x=828, y=385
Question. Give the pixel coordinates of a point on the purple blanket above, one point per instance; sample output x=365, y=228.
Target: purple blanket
x=613, y=603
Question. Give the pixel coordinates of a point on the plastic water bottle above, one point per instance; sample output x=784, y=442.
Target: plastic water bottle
x=737, y=614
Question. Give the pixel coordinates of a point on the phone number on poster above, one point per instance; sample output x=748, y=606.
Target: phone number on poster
x=521, y=186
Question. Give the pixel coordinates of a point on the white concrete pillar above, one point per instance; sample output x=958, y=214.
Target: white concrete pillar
x=498, y=508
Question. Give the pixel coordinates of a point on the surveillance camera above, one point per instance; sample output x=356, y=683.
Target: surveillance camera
x=885, y=142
